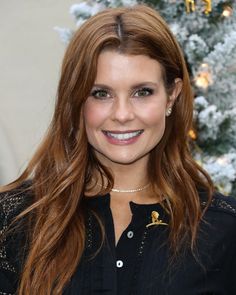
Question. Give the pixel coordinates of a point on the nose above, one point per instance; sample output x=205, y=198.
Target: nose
x=123, y=110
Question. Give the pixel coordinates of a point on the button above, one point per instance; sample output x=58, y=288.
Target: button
x=130, y=234
x=119, y=263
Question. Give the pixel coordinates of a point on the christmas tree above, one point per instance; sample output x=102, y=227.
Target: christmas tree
x=206, y=32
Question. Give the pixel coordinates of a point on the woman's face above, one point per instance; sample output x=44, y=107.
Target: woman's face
x=125, y=113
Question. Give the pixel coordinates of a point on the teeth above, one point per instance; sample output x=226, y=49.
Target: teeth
x=124, y=136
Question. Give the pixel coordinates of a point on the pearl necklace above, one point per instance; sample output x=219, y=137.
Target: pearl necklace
x=128, y=190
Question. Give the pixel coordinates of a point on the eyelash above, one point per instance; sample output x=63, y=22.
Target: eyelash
x=95, y=92
x=146, y=89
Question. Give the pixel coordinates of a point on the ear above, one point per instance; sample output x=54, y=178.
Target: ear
x=175, y=93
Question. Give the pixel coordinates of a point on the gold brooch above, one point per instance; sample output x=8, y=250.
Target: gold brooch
x=156, y=220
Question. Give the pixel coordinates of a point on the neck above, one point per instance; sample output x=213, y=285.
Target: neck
x=130, y=176
x=126, y=177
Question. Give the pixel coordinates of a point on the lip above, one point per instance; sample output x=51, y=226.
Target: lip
x=122, y=131
x=123, y=141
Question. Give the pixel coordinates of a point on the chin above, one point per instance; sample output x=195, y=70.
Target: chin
x=125, y=160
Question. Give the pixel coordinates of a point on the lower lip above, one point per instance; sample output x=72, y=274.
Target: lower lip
x=113, y=140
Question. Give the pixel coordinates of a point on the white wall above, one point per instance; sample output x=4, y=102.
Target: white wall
x=30, y=58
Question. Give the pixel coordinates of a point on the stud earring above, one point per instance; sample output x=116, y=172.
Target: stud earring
x=168, y=111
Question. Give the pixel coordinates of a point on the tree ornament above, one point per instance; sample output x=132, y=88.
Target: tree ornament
x=190, y=6
x=207, y=9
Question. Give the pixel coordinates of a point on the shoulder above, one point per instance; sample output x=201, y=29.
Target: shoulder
x=220, y=218
x=12, y=242
x=14, y=201
x=220, y=204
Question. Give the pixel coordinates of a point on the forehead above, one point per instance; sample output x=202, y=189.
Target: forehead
x=113, y=65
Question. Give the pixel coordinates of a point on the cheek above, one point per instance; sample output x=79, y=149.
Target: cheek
x=90, y=122
x=155, y=117
x=94, y=115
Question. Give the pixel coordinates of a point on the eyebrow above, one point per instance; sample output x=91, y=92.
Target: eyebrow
x=135, y=86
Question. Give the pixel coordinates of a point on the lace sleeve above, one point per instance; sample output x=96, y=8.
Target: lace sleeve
x=221, y=203
x=8, y=269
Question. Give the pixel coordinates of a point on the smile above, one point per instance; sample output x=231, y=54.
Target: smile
x=123, y=135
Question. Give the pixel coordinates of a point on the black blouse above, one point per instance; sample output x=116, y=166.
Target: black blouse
x=138, y=265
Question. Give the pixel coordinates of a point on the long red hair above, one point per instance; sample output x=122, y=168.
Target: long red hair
x=62, y=167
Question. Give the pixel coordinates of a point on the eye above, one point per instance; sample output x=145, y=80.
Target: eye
x=142, y=92
x=100, y=94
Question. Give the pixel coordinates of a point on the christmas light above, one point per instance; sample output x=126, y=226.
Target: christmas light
x=202, y=81
x=203, y=78
x=192, y=134
x=222, y=161
x=227, y=12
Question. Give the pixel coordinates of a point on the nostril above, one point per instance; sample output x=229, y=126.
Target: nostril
x=123, y=111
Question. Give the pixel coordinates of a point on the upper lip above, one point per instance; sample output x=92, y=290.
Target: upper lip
x=122, y=132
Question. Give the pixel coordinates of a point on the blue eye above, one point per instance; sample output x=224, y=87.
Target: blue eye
x=100, y=94
x=145, y=91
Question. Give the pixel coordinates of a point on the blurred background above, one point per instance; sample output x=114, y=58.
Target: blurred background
x=31, y=52
x=30, y=57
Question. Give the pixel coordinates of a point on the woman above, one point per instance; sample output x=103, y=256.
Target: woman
x=112, y=202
